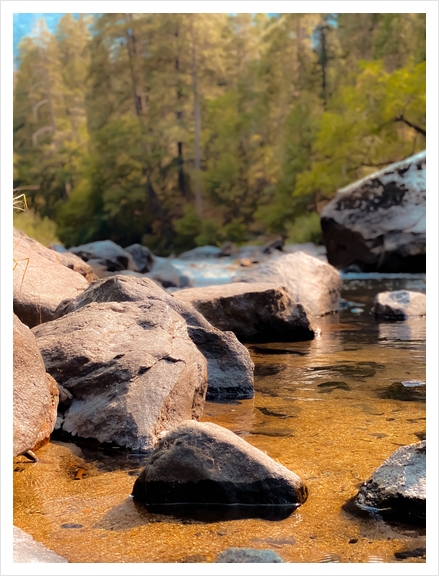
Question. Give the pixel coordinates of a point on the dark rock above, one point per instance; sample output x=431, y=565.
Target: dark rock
x=398, y=486
x=309, y=281
x=27, y=550
x=276, y=243
x=204, y=463
x=201, y=253
x=41, y=281
x=35, y=393
x=400, y=304
x=107, y=253
x=165, y=273
x=415, y=553
x=410, y=390
x=378, y=223
x=248, y=555
x=143, y=257
x=254, y=312
x=229, y=366
x=131, y=368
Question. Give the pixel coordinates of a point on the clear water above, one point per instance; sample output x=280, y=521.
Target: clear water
x=322, y=409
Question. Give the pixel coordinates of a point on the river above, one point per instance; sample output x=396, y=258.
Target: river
x=327, y=409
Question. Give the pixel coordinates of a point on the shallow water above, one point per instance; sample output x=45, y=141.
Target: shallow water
x=325, y=409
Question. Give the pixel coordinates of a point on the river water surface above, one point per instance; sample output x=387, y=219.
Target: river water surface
x=327, y=409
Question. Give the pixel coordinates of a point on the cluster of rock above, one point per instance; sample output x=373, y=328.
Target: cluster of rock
x=379, y=223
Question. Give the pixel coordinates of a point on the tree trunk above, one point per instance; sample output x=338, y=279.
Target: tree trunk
x=197, y=118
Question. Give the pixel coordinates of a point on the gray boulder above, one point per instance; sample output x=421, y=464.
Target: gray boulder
x=143, y=257
x=165, y=273
x=203, y=463
x=308, y=280
x=35, y=393
x=41, y=281
x=254, y=312
x=378, y=223
x=229, y=366
x=27, y=550
x=248, y=555
x=400, y=304
x=107, y=253
x=131, y=368
x=398, y=486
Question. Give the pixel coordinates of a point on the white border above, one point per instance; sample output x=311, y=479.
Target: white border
x=251, y=6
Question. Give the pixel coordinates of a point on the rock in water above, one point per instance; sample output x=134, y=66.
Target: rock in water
x=400, y=304
x=35, y=393
x=398, y=486
x=131, y=368
x=378, y=223
x=143, y=257
x=42, y=279
x=107, y=253
x=248, y=555
x=309, y=281
x=254, y=312
x=229, y=366
x=203, y=463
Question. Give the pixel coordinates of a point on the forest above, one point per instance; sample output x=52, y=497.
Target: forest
x=180, y=130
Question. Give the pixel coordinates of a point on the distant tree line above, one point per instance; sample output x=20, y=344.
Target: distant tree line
x=177, y=130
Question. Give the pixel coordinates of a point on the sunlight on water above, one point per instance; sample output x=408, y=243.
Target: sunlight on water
x=324, y=408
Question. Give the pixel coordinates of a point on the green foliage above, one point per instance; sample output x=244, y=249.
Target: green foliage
x=305, y=228
x=178, y=130
x=41, y=229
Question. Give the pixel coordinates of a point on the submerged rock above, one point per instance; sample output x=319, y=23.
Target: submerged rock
x=201, y=252
x=131, y=368
x=409, y=390
x=229, y=366
x=398, y=486
x=254, y=312
x=35, y=393
x=378, y=223
x=42, y=279
x=400, y=304
x=204, y=463
x=309, y=281
x=248, y=555
x=27, y=550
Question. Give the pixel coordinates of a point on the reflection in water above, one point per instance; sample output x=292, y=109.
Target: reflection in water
x=412, y=330
x=333, y=441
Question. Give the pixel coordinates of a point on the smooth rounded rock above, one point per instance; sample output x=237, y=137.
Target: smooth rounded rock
x=400, y=304
x=203, y=463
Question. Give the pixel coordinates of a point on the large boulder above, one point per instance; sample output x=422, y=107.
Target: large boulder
x=229, y=366
x=398, y=486
x=65, y=258
x=254, y=312
x=107, y=253
x=248, y=555
x=41, y=281
x=378, y=223
x=203, y=463
x=35, y=393
x=131, y=368
x=309, y=281
x=167, y=275
x=400, y=304
x=143, y=257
